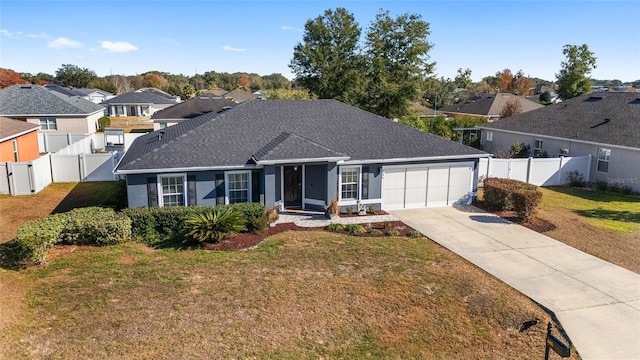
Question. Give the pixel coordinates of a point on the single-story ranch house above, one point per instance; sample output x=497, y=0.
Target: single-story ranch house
x=603, y=125
x=297, y=154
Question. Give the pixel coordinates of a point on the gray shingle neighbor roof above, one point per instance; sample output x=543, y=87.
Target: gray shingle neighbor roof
x=27, y=100
x=489, y=105
x=281, y=130
x=138, y=98
x=193, y=107
x=583, y=118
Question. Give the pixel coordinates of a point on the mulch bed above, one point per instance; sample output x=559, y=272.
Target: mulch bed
x=354, y=214
x=247, y=240
x=537, y=224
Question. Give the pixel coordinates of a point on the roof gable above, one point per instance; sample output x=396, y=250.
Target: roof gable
x=583, y=118
x=194, y=107
x=139, y=98
x=36, y=100
x=489, y=105
x=10, y=128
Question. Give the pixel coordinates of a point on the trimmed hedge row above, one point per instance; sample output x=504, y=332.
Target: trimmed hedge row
x=508, y=194
x=92, y=225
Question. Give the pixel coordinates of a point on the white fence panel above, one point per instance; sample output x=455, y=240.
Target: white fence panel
x=128, y=139
x=537, y=171
x=65, y=168
x=41, y=172
x=4, y=178
x=20, y=178
x=483, y=168
x=545, y=172
x=99, y=167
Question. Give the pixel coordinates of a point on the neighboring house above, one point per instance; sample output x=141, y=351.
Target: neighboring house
x=96, y=96
x=604, y=125
x=297, y=154
x=159, y=92
x=215, y=92
x=489, y=106
x=423, y=111
x=53, y=111
x=239, y=95
x=189, y=109
x=18, y=140
x=136, y=104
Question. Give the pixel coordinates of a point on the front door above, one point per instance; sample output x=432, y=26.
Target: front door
x=293, y=186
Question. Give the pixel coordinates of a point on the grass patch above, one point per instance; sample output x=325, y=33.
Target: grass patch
x=311, y=294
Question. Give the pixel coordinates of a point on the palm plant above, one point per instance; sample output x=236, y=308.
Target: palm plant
x=213, y=225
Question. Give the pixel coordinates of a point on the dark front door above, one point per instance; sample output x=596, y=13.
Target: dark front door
x=293, y=186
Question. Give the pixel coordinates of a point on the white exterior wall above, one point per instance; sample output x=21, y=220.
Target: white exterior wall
x=624, y=163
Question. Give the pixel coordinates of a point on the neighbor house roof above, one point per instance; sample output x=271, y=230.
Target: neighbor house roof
x=489, y=105
x=85, y=91
x=24, y=100
x=62, y=89
x=138, y=98
x=215, y=92
x=271, y=131
x=193, y=107
x=607, y=118
x=239, y=95
x=156, y=91
x=10, y=129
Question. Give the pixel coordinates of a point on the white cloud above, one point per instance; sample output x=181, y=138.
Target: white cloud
x=9, y=34
x=63, y=42
x=230, y=48
x=289, y=28
x=39, y=36
x=118, y=46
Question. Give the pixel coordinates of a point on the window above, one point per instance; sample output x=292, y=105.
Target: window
x=563, y=152
x=163, y=125
x=489, y=135
x=48, y=123
x=603, y=160
x=349, y=183
x=238, y=187
x=172, y=190
x=537, y=148
x=15, y=151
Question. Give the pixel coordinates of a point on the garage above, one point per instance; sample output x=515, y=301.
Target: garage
x=420, y=186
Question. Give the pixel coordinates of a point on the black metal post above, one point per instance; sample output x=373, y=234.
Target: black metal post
x=546, y=347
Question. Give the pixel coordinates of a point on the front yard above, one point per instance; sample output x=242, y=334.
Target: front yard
x=300, y=294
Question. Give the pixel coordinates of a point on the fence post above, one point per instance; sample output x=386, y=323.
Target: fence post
x=489, y=166
x=529, y=168
x=10, y=184
x=83, y=169
x=560, y=170
x=509, y=168
x=588, y=175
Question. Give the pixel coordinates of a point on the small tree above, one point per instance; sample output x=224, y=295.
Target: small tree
x=545, y=97
x=104, y=122
x=511, y=107
x=573, y=78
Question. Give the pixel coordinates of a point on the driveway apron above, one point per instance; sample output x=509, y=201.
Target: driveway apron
x=597, y=303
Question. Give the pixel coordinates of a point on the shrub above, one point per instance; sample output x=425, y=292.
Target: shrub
x=375, y=232
x=393, y=232
x=104, y=122
x=97, y=226
x=355, y=229
x=272, y=215
x=497, y=192
x=348, y=210
x=335, y=227
x=525, y=204
x=259, y=224
x=371, y=209
x=34, y=238
x=574, y=178
x=601, y=185
x=250, y=212
x=627, y=190
x=212, y=225
x=519, y=150
x=414, y=234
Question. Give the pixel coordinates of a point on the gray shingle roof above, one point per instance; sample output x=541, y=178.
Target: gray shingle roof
x=583, y=118
x=193, y=108
x=489, y=105
x=271, y=130
x=138, y=98
x=239, y=95
x=36, y=100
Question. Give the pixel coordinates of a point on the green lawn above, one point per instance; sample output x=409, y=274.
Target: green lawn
x=299, y=295
x=610, y=210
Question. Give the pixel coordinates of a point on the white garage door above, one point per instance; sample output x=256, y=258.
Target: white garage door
x=416, y=187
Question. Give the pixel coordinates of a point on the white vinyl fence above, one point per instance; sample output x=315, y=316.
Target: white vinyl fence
x=25, y=178
x=537, y=171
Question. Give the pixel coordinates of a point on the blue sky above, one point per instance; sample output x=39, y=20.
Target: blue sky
x=135, y=36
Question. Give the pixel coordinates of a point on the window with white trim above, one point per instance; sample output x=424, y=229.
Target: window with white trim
x=603, y=160
x=349, y=183
x=48, y=123
x=537, y=148
x=489, y=135
x=16, y=158
x=172, y=190
x=238, y=186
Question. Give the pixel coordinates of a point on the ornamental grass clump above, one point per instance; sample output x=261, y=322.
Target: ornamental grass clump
x=212, y=225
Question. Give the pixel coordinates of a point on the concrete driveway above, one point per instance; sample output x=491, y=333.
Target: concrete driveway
x=597, y=303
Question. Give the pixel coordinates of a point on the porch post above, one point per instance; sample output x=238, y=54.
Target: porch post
x=332, y=182
x=269, y=186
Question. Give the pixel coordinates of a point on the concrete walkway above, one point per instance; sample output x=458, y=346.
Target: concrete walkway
x=597, y=303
